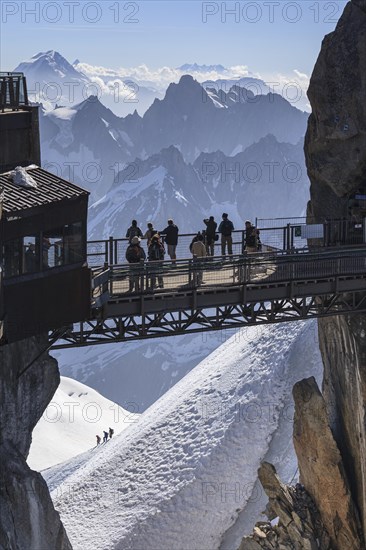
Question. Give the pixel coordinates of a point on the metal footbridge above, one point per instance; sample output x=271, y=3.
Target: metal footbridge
x=272, y=286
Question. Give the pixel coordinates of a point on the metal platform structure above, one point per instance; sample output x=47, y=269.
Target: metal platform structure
x=242, y=290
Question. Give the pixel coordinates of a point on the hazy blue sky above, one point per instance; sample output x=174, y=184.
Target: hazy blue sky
x=268, y=36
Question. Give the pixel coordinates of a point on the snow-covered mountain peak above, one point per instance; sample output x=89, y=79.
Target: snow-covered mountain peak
x=49, y=64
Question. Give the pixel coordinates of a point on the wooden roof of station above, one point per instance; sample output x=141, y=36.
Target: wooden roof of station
x=50, y=189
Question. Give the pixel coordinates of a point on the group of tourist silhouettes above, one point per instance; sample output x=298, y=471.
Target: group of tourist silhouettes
x=202, y=246
x=106, y=435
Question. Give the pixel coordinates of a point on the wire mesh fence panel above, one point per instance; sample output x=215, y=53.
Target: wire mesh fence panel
x=182, y=250
x=292, y=237
x=302, y=233
x=97, y=253
x=276, y=223
x=273, y=239
x=214, y=272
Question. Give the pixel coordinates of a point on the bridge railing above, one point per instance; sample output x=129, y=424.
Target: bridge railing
x=113, y=251
x=251, y=269
x=292, y=236
x=300, y=233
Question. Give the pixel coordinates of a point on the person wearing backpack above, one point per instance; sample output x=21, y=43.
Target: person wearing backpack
x=133, y=231
x=226, y=228
x=156, y=255
x=135, y=255
x=194, y=240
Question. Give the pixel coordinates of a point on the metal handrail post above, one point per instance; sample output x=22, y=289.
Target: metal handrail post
x=142, y=275
x=106, y=253
x=115, y=252
x=111, y=250
x=288, y=232
x=190, y=275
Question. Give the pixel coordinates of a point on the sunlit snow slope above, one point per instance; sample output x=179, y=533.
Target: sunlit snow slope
x=185, y=474
x=71, y=422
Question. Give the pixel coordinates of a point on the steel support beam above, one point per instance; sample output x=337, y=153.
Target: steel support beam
x=123, y=328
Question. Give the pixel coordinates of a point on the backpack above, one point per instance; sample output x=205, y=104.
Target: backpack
x=156, y=252
x=133, y=254
x=191, y=244
x=134, y=231
x=226, y=228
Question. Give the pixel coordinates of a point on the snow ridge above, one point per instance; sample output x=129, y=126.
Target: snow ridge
x=179, y=478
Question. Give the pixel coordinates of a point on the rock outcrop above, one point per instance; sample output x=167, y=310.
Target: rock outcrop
x=28, y=520
x=295, y=522
x=321, y=467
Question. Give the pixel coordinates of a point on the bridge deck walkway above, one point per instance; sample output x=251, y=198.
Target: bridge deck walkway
x=238, y=291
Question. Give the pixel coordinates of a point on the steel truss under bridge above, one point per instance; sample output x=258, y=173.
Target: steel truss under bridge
x=121, y=329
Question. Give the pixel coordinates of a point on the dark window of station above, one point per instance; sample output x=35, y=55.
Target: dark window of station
x=55, y=248
x=63, y=246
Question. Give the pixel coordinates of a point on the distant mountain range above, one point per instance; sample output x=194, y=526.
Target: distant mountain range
x=54, y=80
x=267, y=180
x=96, y=144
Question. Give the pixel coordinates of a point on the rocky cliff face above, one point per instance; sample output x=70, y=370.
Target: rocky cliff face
x=335, y=150
x=28, y=520
x=335, y=145
x=330, y=428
